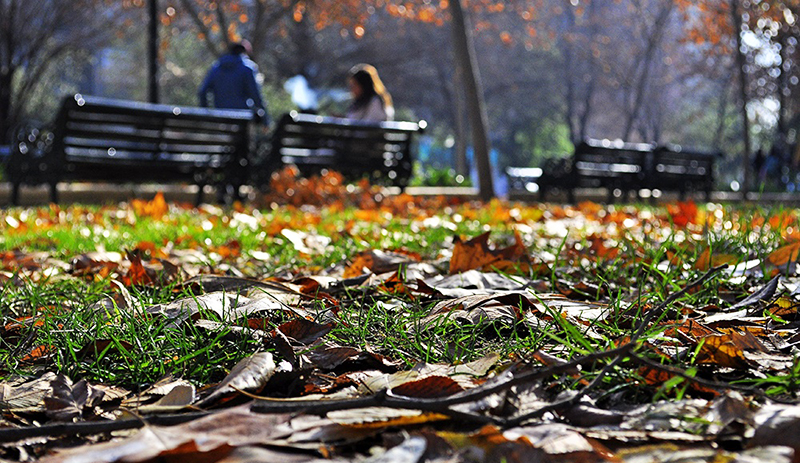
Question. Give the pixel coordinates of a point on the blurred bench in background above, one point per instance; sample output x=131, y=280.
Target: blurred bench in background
x=620, y=168
x=382, y=151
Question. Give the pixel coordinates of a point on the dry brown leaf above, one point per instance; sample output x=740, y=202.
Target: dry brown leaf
x=304, y=331
x=349, y=359
x=724, y=350
x=785, y=254
x=707, y=259
x=656, y=377
x=250, y=373
x=26, y=396
x=477, y=254
x=69, y=400
x=382, y=417
x=212, y=437
x=430, y=387
x=155, y=209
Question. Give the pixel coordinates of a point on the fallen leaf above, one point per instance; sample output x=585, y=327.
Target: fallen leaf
x=382, y=417
x=180, y=396
x=377, y=262
x=723, y=350
x=69, y=400
x=762, y=295
x=785, y=254
x=777, y=425
x=348, y=358
x=218, y=433
x=305, y=331
x=38, y=354
x=250, y=373
x=28, y=395
x=430, y=387
x=477, y=254
x=155, y=208
x=683, y=213
x=707, y=260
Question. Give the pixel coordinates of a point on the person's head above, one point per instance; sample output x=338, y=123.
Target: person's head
x=365, y=83
x=239, y=48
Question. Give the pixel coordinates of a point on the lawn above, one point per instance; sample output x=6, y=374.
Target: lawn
x=327, y=321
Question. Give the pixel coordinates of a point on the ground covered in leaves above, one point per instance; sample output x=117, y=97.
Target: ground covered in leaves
x=328, y=322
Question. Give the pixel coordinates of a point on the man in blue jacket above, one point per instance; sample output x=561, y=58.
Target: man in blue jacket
x=232, y=82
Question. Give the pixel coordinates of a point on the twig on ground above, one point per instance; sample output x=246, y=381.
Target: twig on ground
x=94, y=427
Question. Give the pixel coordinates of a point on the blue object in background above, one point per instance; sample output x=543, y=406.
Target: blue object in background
x=499, y=180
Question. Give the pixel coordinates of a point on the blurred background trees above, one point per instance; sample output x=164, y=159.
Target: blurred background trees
x=554, y=71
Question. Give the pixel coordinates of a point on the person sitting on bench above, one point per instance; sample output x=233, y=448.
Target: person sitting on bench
x=371, y=101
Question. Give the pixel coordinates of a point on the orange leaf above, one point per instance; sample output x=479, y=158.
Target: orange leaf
x=785, y=254
x=725, y=350
x=784, y=307
x=655, y=377
x=362, y=262
x=476, y=254
x=683, y=213
x=38, y=354
x=429, y=388
x=156, y=208
x=706, y=260
x=137, y=274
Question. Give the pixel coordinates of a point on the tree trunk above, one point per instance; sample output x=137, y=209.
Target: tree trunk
x=467, y=63
x=6, y=119
x=460, y=147
x=646, y=62
x=742, y=62
x=569, y=74
x=722, y=111
x=592, y=73
x=152, y=51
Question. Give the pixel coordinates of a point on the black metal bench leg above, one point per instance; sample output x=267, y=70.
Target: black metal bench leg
x=199, y=199
x=611, y=197
x=571, y=196
x=15, y=194
x=54, y=192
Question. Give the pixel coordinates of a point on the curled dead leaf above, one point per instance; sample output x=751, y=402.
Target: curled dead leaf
x=250, y=373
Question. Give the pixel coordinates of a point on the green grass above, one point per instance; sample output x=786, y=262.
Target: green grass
x=128, y=348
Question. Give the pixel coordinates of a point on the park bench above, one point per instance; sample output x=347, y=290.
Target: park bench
x=381, y=151
x=674, y=168
x=620, y=168
x=101, y=139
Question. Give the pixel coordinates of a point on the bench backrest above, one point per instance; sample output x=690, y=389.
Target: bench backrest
x=610, y=161
x=380, y=150
x=674, y=162
x=107, y=133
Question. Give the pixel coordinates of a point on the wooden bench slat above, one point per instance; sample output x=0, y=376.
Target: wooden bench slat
x=154, y=123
